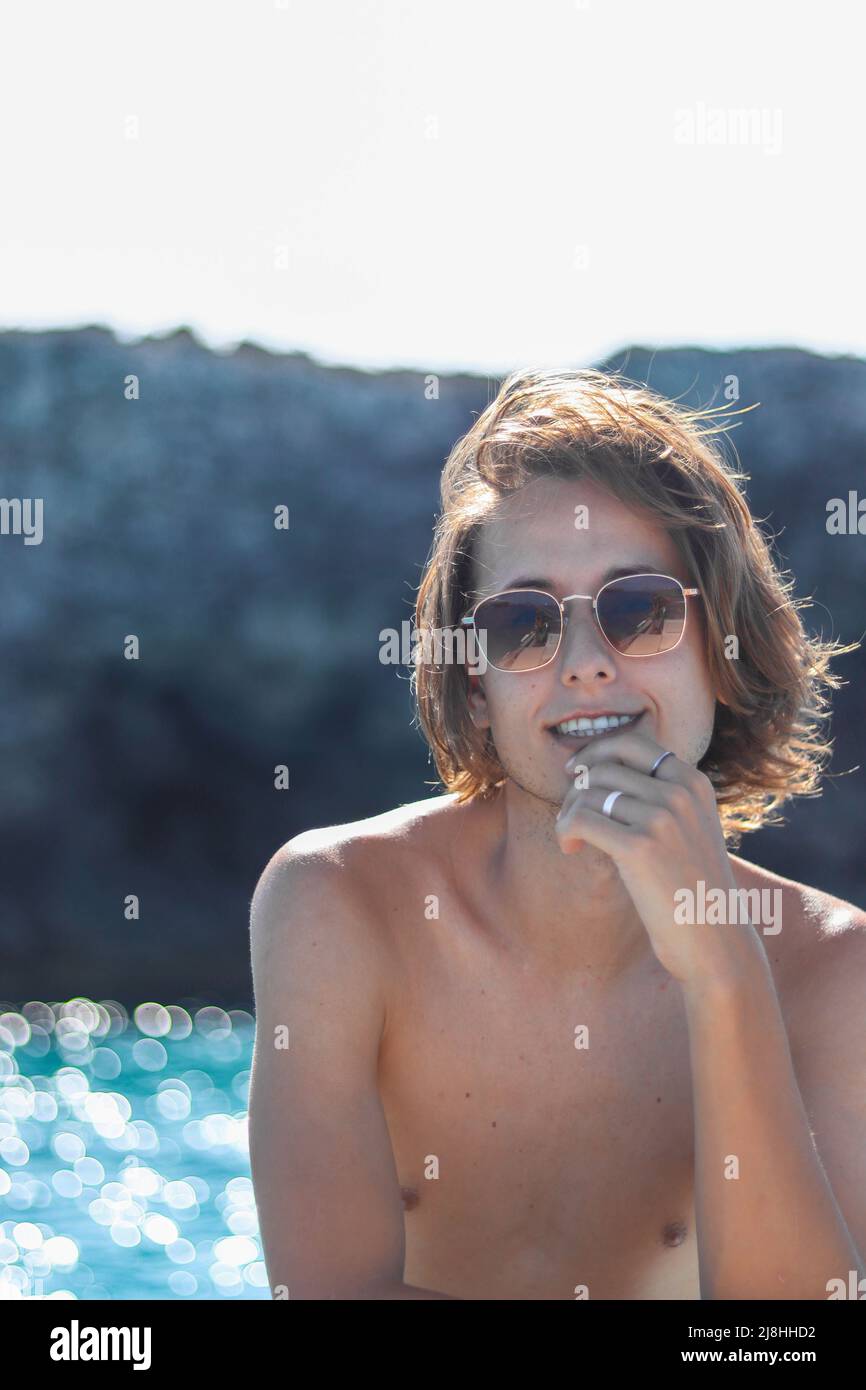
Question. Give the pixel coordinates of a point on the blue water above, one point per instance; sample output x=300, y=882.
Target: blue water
x=124, y=1163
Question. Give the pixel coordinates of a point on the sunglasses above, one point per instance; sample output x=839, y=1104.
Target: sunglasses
x=637, y=614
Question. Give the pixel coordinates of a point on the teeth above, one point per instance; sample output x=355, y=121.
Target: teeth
x=595, y=726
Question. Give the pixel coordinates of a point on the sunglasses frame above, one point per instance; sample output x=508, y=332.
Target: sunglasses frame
x=469, y=619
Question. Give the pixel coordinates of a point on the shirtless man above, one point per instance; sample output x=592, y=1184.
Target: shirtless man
x=493, y=1059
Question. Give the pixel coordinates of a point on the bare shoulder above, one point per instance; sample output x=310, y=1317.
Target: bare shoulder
x=819, y=956
x=355, y=864
x=815, y=918
x=355, y=852
x=349, y=845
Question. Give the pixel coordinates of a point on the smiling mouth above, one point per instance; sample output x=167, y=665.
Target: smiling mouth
x=579, y=738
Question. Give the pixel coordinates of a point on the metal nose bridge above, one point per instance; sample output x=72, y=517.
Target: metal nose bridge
x=592, y=599
x=568, y=597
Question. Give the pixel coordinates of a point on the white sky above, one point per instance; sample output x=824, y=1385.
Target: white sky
x=428, y=175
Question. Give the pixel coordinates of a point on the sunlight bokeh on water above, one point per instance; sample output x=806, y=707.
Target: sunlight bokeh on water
x=124, y=1165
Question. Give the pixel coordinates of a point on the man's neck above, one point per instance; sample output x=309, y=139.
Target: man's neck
x=570, y=912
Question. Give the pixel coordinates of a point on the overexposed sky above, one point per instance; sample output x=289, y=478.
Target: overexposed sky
x=470, y=184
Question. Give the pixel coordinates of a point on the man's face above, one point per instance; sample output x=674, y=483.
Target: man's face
x=534, y=535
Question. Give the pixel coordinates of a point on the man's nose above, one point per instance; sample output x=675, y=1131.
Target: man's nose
x=583, y=652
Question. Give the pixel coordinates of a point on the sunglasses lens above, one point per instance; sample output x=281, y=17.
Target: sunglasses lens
x=642, y=614
x=519, y=631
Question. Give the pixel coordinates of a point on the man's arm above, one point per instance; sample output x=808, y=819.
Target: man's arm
x=325, y=1180
x=769, y=1223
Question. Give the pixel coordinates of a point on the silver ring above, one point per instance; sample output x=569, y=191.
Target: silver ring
x=607, y=808
x=658, y=762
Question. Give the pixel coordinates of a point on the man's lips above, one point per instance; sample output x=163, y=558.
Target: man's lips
x=575, y=741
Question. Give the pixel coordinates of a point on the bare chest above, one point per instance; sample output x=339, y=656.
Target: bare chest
x=542, y=1131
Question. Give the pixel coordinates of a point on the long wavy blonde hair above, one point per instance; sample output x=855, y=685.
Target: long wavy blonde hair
x=661, y=460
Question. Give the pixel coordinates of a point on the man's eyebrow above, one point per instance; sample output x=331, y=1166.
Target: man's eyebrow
x=616, y=573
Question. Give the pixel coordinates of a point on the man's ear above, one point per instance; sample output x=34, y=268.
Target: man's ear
x=477, y=702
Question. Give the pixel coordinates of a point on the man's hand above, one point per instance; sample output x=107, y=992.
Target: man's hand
x=664, y=835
